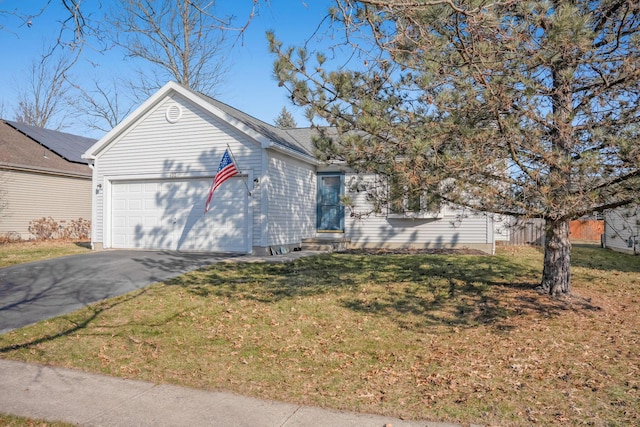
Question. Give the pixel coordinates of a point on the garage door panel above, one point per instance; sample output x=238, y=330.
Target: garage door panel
x=135, y=205
x=150, y=222
x=119, y=204
x=169, y=214
x=134, y=188
x=119, y=222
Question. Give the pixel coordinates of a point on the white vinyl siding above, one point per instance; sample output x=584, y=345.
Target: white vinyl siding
x=620, y=225
x=502, y=227
x=192, y=147
x=292, y=200
x=453, y=227
x=27, y=196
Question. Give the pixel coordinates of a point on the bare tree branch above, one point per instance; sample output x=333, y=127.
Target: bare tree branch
x=182, y=40
x=41, y=102
x=102, y=106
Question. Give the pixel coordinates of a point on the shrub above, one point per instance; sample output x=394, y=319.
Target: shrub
x=50, y=229
x=10, y=237
x=44, y=228
x=77, y=229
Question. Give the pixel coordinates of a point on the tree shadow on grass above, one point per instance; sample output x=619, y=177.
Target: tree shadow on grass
x=415, y=290
x=78, y=320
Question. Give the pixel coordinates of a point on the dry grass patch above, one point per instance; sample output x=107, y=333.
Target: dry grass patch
x=28, y=251
x=441, y=337
x=11, y=421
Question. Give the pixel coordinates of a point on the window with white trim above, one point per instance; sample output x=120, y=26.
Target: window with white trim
x=405, y=201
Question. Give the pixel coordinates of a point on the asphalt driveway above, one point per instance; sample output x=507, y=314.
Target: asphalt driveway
x=41, y=290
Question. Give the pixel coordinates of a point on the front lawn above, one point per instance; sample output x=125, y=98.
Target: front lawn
x=460, y=338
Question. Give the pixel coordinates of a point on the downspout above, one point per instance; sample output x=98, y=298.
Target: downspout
x=635, y=238
x=632, y=242
x=94, y=202
x=264, y=184
x=491, y=235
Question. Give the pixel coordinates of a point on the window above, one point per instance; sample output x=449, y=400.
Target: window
x=405, y=201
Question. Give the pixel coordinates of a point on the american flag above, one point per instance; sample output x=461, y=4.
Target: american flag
x=226, y=170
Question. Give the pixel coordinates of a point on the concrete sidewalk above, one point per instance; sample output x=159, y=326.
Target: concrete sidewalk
x=84, y=399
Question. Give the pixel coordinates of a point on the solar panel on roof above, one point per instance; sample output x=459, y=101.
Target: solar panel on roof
x=66, y=145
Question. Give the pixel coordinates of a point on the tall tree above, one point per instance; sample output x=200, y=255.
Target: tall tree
x=102, y=106
x=285, y=120
x=183, y=40
x=527, y=108
x=43, y=98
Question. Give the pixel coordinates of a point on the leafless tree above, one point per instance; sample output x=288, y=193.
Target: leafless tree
x=102, y=106
x=42, y=100
x=182, y=40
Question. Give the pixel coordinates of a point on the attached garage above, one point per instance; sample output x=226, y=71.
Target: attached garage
x=168, y=214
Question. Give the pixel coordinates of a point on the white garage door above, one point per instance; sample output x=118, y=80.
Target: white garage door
x=169, y=214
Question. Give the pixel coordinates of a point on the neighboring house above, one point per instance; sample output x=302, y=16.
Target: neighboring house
x=41, y=175
x=622, y=229
x=153, y=171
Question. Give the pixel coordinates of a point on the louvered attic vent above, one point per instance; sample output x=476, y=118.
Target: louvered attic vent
x=173, y=113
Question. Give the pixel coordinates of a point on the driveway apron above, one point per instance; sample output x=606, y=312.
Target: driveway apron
x=41, y=290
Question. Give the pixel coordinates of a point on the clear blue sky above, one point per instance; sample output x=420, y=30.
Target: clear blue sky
x=249, y=86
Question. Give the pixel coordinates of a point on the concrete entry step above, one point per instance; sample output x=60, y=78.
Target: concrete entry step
x=324, y=244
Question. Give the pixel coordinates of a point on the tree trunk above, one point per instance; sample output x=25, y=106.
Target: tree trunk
x=556, y=275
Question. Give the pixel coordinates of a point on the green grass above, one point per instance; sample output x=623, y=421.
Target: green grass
x=23, y=252
x=460, y=338
x=11, y=421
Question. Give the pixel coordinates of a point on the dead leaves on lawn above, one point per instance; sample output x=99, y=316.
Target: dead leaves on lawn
x=460, y=338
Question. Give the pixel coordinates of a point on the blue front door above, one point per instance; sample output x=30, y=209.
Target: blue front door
x=330, y=210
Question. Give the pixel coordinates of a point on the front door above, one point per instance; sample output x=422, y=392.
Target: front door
x=330, y=210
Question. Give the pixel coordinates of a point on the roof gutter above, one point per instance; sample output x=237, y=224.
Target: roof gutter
x=269, y=144
x=46, y=171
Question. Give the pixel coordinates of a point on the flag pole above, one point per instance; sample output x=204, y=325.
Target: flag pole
x=238, y=166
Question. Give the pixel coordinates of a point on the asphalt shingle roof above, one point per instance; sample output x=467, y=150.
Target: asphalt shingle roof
x=21, y=151
x=298, y=140
x=66, y=145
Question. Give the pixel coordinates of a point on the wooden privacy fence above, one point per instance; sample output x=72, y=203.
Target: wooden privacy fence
x=586, y=230
x=531, y=232
x=526, y=232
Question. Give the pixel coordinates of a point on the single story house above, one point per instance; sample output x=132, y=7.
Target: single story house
x=622, y=229
x=152, y=174
x=42, y=174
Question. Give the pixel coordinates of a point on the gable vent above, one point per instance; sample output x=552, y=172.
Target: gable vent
x=173, y=113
